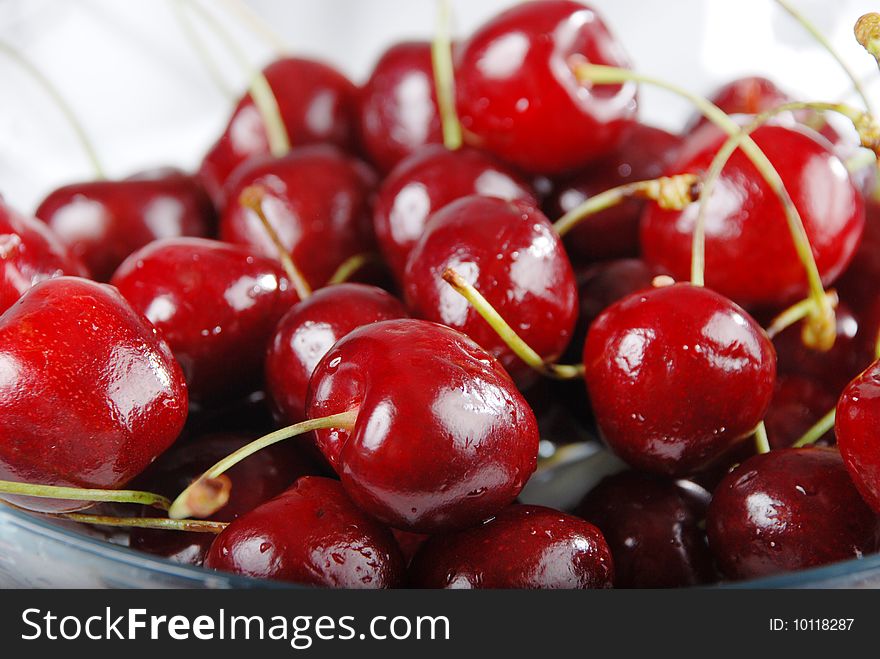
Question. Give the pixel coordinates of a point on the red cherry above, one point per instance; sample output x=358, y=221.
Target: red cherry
x=317, y=200
x=29, y=253
x=427, y=181
x=398, y=105
x=518, y=98
x=521, y=547
x=789, y=509
x=652, y=526
x=311, y=534
x=102, y=222
x=443, y=439
x=797, y=404
x=89, y=393
x=677, y=376
x=409, y=543
x=859, y=284
x=644, y=153
x=216, y=304
x=509, y=252
x=750, y=256
x=310, y=329
x=317, y=103
x=855, y=427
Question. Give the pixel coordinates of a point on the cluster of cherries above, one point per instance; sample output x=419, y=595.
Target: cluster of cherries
x=154, y=326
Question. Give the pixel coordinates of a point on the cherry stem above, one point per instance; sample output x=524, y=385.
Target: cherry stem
x=193, y=38
x=252, y=198
x=256, y=24
x=187, y=525
x=444, y=77
x=818, y=429
x=513, y=341
x=877, y=346
x=200, y=499
x=822, y=41
x=60, y=103
x=762, y=444
x=351, y=265
x=85, y=494
x=259, y=88
x=867, y=31
x=670, y=192
x=796, y=313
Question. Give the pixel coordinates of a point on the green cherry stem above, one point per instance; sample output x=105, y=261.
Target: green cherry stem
x=796, y=313
x=867, y=31
x=47, y=85
x=193, y=38
x=205, y=496
x=351, y=265
x=161, y=523
x=813, y=435
x=444, y=77
x=507, y=334
x=85, y=494
x=762, y=444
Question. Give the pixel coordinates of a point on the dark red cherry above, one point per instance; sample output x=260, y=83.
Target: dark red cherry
x=398, y=105
x=217, y=306
x=317, y=103
x=317, y=200
x=750, y=255
x=311, y=534
x=409, y=543
x=310, y=329
x=677, y=376
x=855, y=426
x=29, y=253
x=510, y=253
x=858, y=286
x=443, y=439
x=521, y=547
x=644, y=153
x=518, y=97
x=102, y=222
x=90, y=394
x=653, y=526
x=427, y=181
x=797, y=404
x=789, y=509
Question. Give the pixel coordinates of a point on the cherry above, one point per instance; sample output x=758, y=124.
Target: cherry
x=398, y=105
x=311, y=534
x=425, y=182
x=653, y=527
x=750, y=256
x=443, y=439
x=317, y=200
x=89, y=392
x=797, y=404
x=409, y=543
x=518, y=98
x=29, y=253
x=521, y=547
x=307, y=332
x=509, y=252
x=677, y=376
x=855, y=429
x=644, y=153
x=317, y=104
x=102, y=222
x=858, y=285
x=789, y=509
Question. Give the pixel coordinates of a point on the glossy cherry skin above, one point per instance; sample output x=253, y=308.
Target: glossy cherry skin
x=29, y=253
x=859, y=284
x=509, y=252
x=90, y=394
x=644, y=153
x=653, y=527
x=398, y=111
x=217, y=306
x=677, y=376
x=317, y=199
x=521, y=547
x=261, y=477
x=102, y=222
x=855, y=426
x=310, y=329
x=517, y=95
x=750, y=256
x=311, y=534
x=443, y=439
x=797, y=404
x=789, y=509
x=318, y=106
x=427, y=181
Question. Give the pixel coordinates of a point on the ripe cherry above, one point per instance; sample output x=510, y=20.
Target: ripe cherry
x=427, y=181
x=677, y=376
x=311, y=534
x=789, y=509
x=855, y=428
x=216, y=304
x=797, y=404
x=90, y=394
x=521, y=547
x=443, y=439
x=509, y=252
x=859, y=284
x=518, y=98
